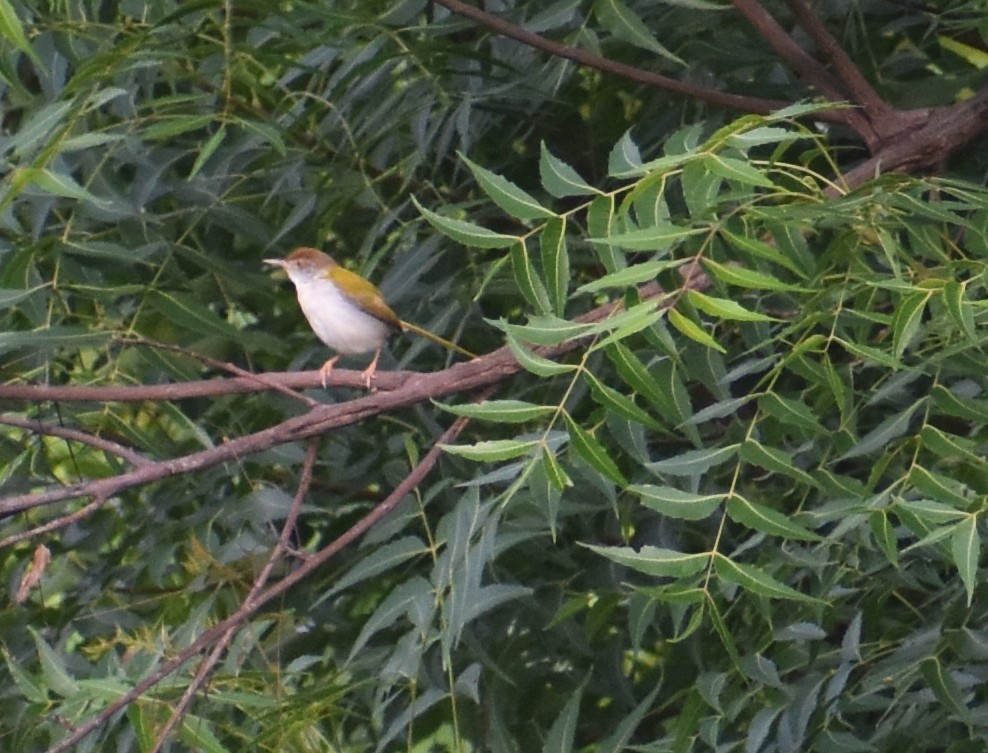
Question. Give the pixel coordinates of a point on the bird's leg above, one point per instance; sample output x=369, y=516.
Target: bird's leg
x=327, y=369
x=368, y=373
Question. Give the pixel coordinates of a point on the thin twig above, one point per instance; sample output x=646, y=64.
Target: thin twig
x=207, y=665
x=53, y=525
x=251, y=605
x=75, y=435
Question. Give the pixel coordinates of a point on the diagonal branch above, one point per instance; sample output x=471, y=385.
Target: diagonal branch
x=857, y=85
x=209, y=663
x=714, y=97
x=75, y=435
x=251, y=605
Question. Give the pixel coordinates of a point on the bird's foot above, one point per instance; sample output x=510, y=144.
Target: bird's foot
x=326, y=370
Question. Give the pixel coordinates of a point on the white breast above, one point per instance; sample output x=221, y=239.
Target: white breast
x=340, y=324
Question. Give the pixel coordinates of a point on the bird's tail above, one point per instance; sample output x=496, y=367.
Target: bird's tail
x=408, y=327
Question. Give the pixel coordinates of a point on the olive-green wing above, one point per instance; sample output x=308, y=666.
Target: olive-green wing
x=365, y=294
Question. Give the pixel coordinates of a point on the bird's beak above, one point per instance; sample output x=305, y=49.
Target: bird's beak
x=276, y=262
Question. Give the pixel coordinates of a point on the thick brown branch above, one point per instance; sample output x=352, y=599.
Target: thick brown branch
x=416, y=388
x=946, y=130
x=714, y=97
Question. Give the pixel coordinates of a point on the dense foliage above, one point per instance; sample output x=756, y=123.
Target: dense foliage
x=741, y=513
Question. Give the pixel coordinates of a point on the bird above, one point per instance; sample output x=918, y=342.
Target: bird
x=346, y=312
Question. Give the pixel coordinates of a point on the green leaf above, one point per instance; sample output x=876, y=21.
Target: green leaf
x=56, y=676
x=12, y=30
x=625, y=159
x=30, y=688
x=930, y=511
x=960, y=310
x=693, y=330
x=939, y=487
x=762, y=135
x=559, y=179
x=562, y=733
x=207, y=151
x=467, y=233
x=944, y=687
x=655, y=238
x=625, y=24
x=762, y=250
x=528, y=282
x=653, y=560
x=555, y=262
x=965, y=546
x=637, y=376
x=742, y=277
x=549, y=330
x=554, y=471
x=756, y=580
x=790, y=412
x=600, y=223
x=43, y=340
x=949, y=446
x=906, y=320
x=513, y=200
x=736, y=170
x=630, y=276
x=60, y=184
x=592, y=451
x=767, y=520
x=500, y=411
x=723, y=308
x=882, y=435
x=493, y=450
x=676, y=503
x=622, y=405
x=774, y=459
x=884, y=534
x=535, y=363
x=693, y=462
x=170, y=126
x=953, y=404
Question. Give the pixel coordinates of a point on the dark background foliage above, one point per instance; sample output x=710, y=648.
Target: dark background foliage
x=744, y=515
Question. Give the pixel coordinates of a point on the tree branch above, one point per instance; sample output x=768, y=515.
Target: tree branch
x=413, y=388
x=75, y=435
x=714, y=97
x=251, y=605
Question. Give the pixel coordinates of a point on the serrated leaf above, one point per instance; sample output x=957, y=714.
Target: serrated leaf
x=169, y=126
x=932, y=512
x=692, y=330
x=535, y=363
x=756, y=580
x=888, y=430
x=554, y=471
x=466, y=233
x=637, y=376
x=625, y=159
x=528, y=282
x=949, y=446
x=774, y=459
x=766, y=520
x=952, y=404
x=960, y=310
x=559, y=179
x=677, y=503
x=655, y=238
x=493, y=450
x=790, y=412
x=723, y=308
x=693, y=462
x=555, y=262
x=56, y=676
x=592, y=451
x=965, y=546
x=762, y=250
x=500, y=411
x=60, y=184
x=742, y=277
x=884, y=534
x=549, y=330
x=630, y=276
x=620, y=404
x=938, y=487
x=906, y=320
x=512, y=199
x=762, y=135
x=600, y=223
x=625, y=24
x=207, y=150
x=944, y=687
x=653, y=560
x=735, y=169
